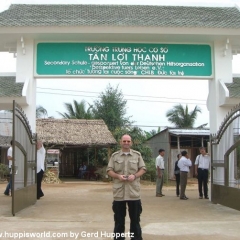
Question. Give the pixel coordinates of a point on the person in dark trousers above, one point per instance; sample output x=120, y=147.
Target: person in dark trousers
x=160, y=166
x=202, y=165
x=177, y=175
x=40, y=168
x=126, y=167
x=184, y=163
x=8, y=189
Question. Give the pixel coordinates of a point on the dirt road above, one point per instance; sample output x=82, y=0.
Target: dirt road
x=82, y=210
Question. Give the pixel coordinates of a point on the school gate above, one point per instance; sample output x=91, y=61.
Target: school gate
x=24, y=187
x=225, y=161
x=127, y=41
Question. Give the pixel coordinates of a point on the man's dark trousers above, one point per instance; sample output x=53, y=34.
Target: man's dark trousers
x=202, y=182
x=134, y=210
x=177, y=183
x=39, y=184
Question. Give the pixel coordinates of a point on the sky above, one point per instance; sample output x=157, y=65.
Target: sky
x=148, y=100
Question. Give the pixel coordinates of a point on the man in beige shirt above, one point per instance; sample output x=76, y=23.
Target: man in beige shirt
x=126, y=167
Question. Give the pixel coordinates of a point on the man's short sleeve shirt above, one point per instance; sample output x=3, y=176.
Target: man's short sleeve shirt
x=126, y=164
x=160, y=162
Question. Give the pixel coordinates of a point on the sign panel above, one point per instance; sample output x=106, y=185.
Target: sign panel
x=123, y=59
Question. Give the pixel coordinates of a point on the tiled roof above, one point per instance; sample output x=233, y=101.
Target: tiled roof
x=28, y=15
x=234, y=88
x=9, y=87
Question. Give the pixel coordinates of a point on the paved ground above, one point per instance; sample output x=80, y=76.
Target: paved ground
x=77, y=209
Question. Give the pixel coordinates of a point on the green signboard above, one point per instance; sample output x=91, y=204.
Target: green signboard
x=123, y=59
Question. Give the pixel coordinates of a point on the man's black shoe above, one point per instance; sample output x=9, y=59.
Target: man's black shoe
x=6, y=194
x=184, y=198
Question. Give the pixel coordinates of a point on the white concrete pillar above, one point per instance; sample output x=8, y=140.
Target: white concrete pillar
x=222, y=62
x=222, y=67
x=24, y=73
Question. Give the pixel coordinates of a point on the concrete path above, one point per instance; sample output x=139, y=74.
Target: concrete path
x=82, y=210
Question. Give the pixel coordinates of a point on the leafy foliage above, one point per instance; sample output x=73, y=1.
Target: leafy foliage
x=150, y=175
x=152, y=133
x=77, y=111
x=111, y=107
x=3, y=170
x=181, y=117
x=41, y=112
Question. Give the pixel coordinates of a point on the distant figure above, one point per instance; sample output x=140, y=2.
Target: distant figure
x=160, y=173
x=184, y=163
x=82, y=170
x=177, y=175
x=202, y=165
x=8, y=189
x=40, y=168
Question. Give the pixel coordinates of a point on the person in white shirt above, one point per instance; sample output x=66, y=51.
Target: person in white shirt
x=184, y=163
x=202, y=165
x=7, y=191
x=160, y=173
x=40, y=168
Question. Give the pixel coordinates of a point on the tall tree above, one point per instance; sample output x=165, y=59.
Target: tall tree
x=181, y=117
x=111, y=107
x=41, y=112
x=77, y=111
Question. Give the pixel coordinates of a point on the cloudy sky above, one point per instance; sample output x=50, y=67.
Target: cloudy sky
x=147, y=99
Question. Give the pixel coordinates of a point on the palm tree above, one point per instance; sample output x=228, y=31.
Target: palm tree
x=41, y=112
x=77, y=111
x=181, y=117
x=152, y=132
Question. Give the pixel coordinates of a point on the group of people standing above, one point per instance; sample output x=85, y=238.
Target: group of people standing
x=181, y=170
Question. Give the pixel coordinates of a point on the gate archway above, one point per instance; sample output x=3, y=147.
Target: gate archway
x=43, y=36
x=225, y=146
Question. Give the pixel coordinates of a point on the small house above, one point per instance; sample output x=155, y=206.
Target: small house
x=175, y=140
x=77, y=140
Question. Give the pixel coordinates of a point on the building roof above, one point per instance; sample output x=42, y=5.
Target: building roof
x=6, y=124
x=72, y=132
x=30, y=15
x=9, y=87
x=184, y=132
x=189, y=132
x=234, y=88
x=5, y=141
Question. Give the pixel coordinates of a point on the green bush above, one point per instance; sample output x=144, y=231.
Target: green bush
x=150, y=175
x=3, y=170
